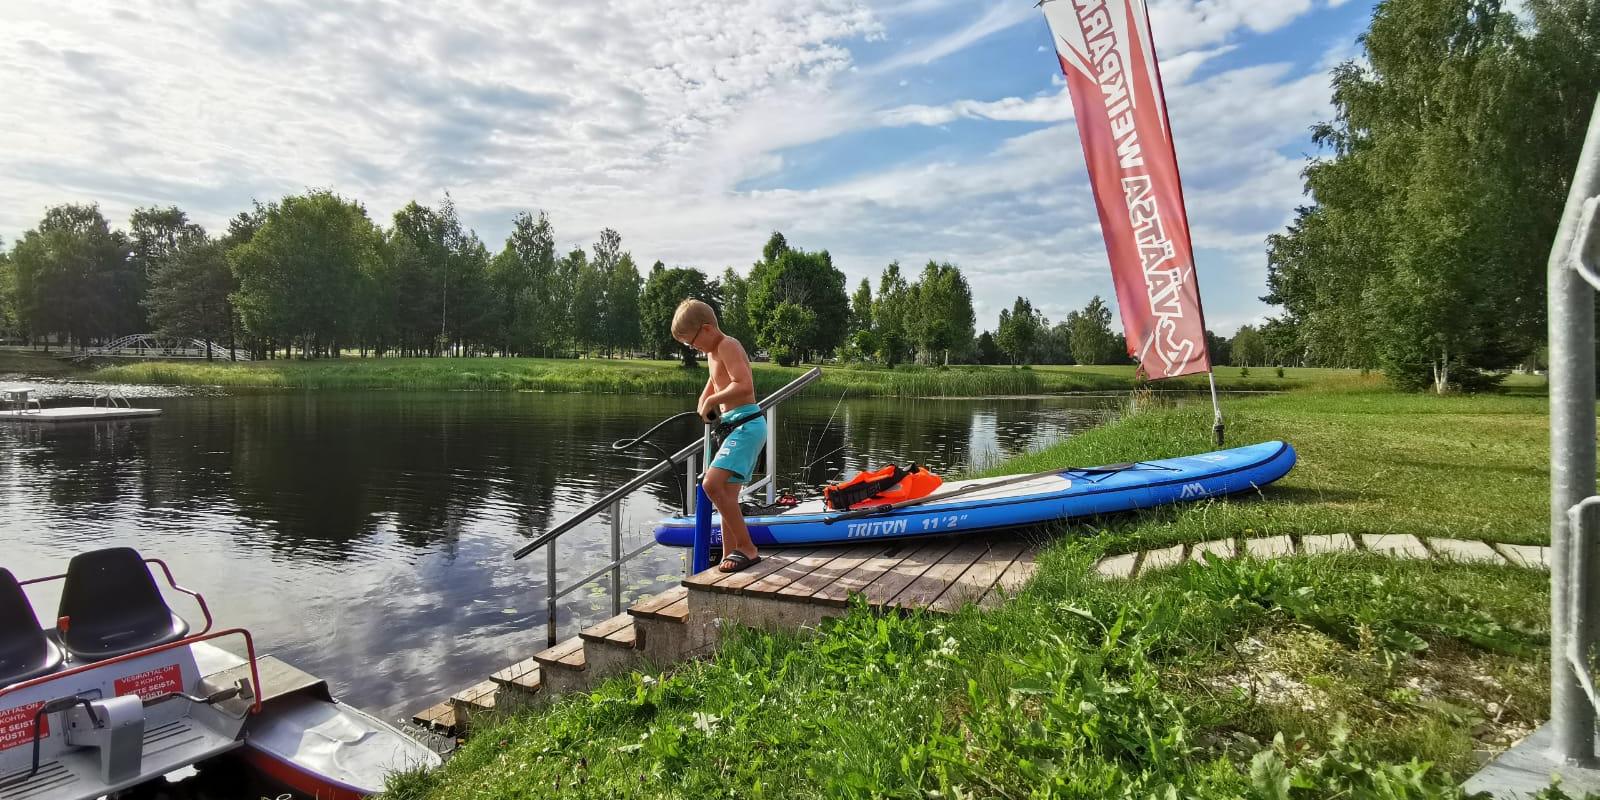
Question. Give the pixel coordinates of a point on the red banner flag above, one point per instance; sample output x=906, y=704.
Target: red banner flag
x=1109, y=59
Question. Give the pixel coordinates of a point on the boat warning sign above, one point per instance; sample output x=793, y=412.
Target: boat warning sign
x=16, y=726
x=156, y=682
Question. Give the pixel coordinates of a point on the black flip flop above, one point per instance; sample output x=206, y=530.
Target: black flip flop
x=740, y=562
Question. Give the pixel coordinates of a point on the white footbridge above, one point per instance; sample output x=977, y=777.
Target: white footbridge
x=150, y=345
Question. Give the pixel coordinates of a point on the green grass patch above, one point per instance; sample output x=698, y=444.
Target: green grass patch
x=1348, y=676
x=663, y=377
x=38, y=363
x=1370, y=461
x=1335, y=676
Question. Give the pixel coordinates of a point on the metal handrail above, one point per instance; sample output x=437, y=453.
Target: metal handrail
x=690, y=454
x=643, y=478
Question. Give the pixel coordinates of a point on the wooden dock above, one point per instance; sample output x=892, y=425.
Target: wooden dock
x=56, y=416
x=938, y=575
x=790, y=588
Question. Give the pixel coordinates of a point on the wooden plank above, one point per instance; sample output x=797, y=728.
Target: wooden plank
x=1012, y=580
x=439, y=719
x=524, y=675
x=567, y=654
x=771, y=563
x=713, y=578
x=479, y=696
x=882, y=590
x=603, y=631
x=976, y=581
x=649, y=606
x=624, y=637
x=938, y=578
x=677, y=612
x=838, y=593
x=797, y=569
x=278, y=679
x=830, y=573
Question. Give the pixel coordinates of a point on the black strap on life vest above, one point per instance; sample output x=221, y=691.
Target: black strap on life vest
x=842, y=496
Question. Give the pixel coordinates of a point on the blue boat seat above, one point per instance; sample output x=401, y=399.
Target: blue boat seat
x=25, y=651
x=111, y=606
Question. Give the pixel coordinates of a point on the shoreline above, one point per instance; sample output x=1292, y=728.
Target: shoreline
x=620, y=376
x=1396, y=647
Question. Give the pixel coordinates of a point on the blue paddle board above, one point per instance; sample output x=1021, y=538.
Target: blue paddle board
x=1056, y=496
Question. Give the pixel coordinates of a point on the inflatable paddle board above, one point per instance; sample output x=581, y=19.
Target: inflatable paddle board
x=1071, y=492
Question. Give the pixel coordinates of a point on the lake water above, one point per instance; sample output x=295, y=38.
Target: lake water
x=366, y=537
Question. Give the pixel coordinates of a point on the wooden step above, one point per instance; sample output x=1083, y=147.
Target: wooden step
x=478, y=698
x=522, y=676
x=439, y=719
x=567, y=655
x=619, y=631
x=670, y=605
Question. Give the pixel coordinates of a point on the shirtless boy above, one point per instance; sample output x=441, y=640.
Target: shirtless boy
x=731, y=393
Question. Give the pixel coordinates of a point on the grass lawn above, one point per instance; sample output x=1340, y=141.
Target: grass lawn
x=1370, y=461
x=30, y=363
x=1333, y=676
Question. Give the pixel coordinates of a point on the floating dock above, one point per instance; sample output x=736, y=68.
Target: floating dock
x=53, y=416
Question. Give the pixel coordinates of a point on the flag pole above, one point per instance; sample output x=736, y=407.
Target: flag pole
x=1217, y=424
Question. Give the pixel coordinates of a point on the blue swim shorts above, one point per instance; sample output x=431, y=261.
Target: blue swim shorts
x=742, y=448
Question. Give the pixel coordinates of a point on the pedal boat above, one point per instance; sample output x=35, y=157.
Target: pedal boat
x=121, y=692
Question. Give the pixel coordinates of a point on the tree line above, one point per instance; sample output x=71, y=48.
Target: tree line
x=1423, y=250
x=1023, y=335
x=312, y=275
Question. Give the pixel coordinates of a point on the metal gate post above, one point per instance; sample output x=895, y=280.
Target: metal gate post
x=616, y=558
x=772, y=455
x=550, y=595
x=1572, y=459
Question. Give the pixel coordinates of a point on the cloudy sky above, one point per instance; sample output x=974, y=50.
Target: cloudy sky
x=876, y=129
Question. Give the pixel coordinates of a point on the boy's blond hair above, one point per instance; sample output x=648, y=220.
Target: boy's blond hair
x=691, y=314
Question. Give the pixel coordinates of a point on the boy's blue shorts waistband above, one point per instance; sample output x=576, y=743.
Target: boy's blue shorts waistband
x=741, y=413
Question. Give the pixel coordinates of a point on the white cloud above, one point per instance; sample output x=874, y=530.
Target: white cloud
x=1183, y=25
x=1048, y=108
x=999, y=17
x=519, y=105
x=644, y=115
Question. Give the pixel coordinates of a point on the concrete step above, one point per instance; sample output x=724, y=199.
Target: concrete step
x=662, y=624
x=564, y=669
x=518, y=685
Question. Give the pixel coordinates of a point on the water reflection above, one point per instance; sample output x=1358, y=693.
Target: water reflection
x=365, y=536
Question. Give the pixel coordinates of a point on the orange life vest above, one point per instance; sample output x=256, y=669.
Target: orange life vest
x=884, y=486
